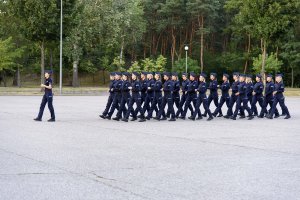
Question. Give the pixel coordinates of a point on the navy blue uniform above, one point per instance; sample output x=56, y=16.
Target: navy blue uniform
x=191, y=97
x=143, y=84
x=202, y=98
x=224, y=97
x=110, y=98
x=157, y=97
x=213, y=95
x=184, y=88
x=249, y=91
x=125, y=98
x=117, y=88
x=233, y=97
x=242, y=98
x=135, y=98
x=149, y=95
x=47, y=98
x=168, y=89
x=279, y=98
x=269, y=99
x=257, y=97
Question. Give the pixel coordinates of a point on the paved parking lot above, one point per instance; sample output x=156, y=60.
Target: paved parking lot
x=84, y=157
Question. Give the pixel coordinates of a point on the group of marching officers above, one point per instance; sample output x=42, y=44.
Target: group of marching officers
x=146, y=93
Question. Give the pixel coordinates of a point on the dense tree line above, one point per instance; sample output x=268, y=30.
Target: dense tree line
x=250, y=36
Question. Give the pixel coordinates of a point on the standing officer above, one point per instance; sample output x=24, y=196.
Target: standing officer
x=269, y=98
x=224, y=97
x=191, y=96
x=111, y=95
x=47, y=98
x=135, y=88
x=117, y=88
x=125, y=96
x=233, y=97
x=249, y=85
x=150, y=92
x=168, y=89
x=176, y=95
x=156, y=102
x=143, y=83
x=257, y=95
x=213, y=89
x=278, y=97
x=202, y=98
x=184, y=86
x=242, y=98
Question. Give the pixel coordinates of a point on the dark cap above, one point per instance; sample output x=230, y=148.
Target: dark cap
x=248, y=75
x=112, y=73
x=135, y=73
x=48, y=71
x=144, y=73
x=226, y=75
x=185, y=74
x=259, y=76
x=118, y=73
x=242, y=75
x=270, y=75
x=174, y=74
x=213, y=74
x=167, y=74
x=203, y=75
x=236, y=74
x=125, y=74
x=157, y=73
x=192, y=74
x=281, y=75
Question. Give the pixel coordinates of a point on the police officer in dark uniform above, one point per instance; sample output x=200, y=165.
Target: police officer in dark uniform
x=184, y=86
x=156, y=102
x=47, y=98
x=242, y=98
x=233, y=97
x=202, y=98
x=191, y=96
x=168, y=89
x=224, y=97
x=111, y=95
x=257, y=95
x=269, y=98
x=125, y=96
x=213, y=89
x=150, y=92
x=135, y=88
x=117, y=89
x=176, y=95
x=279, y=98
x=250, y=86
x=143, y=82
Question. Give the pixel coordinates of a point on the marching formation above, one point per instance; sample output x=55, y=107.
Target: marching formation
x=146, y=93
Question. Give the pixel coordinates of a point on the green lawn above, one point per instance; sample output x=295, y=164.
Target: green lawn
x=86, y=91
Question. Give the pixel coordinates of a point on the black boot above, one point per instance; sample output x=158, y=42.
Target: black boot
x=37, y=119
x=51, y=120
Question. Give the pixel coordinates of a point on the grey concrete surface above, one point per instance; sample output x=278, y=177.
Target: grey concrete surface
x=84, y=157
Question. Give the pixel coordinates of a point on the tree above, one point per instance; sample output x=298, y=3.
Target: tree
x=272, y=64
x=8, y=55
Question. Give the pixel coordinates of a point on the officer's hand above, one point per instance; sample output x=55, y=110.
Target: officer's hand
x=254, y=93
x=149, y=88
x=42, y=85
x=218, y=86
x=274, y=92
x=112, y=89
x=236, y=94
x=129, y=88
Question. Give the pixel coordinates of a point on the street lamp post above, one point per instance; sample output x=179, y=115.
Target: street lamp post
x=186, y=48
x=60, y=48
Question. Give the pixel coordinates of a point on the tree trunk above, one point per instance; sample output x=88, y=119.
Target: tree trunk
x=18, y=77
x=42, y=62
x=292, y=77
x=75, y=82
x=201, y=25
x=103, y=74
x=248, y=52
x=264, y=49
x=51, y=64
x=121, y=51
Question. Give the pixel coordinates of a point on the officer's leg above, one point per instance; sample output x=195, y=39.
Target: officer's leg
x=171, y=108
x=283, y=106
x=181, y=103
x=216, y=99
x=197, y=108
x=42, y=107
x=246, y=107
x=230, y=107
x=237, y=107
x=108, y=104
x=219, y=107
x=152, y=108
x=275, y=102
x=206, y=108
x=253, y=105
x=50, y=106
x=130, y=108
x=209, y=100
x=162, y=108
x=186, y=105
